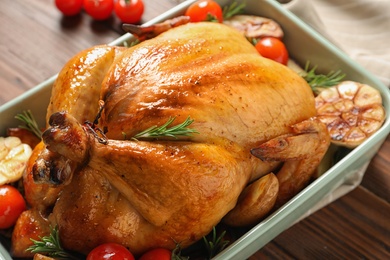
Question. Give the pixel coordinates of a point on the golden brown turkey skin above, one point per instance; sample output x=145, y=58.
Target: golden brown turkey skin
x=146, y=194
x=77, y=86
x=211, y=73
x=76, y=90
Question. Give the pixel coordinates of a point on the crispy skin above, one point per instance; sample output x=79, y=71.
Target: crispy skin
x=302, y=151
x=76, y=90
x=210, y=73
x=77, y=87
x=255, y=202
x=145, y=194
x=176, y=190
x=30, y=225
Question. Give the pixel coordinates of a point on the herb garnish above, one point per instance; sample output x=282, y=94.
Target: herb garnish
x=164, y=131
x=317, y=81
x=232, y=10
x=176, y=254
x=30, y=123
x=227, y=12
x=215, y=244
x=51, y=246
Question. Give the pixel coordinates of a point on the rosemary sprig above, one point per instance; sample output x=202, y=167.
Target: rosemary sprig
x=211, y=18
x=317, y=81
x=30, y=123
x=216, y=244
x=176, y=254
x=166, y=131
x=51, y=246
x=227, y=12
x=232, y=10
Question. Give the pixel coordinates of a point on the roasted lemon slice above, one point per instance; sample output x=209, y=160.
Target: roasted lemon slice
x=13, y=158
x=352, y=112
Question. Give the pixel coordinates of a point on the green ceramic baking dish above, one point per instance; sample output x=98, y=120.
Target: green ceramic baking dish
x=304, y=44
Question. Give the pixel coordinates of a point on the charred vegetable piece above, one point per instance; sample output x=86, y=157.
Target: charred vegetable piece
x=352, y=112
x=255, y=27
x=13, y=158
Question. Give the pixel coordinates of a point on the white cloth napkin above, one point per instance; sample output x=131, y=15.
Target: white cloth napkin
x=359, y=27
x=362, y=29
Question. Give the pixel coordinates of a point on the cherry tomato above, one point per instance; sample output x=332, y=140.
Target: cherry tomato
x=129, y=11
x=157, y=254
x=110, y=251
x=69, y=7
x=201, y=10
x=273, y=48
x=12, y=204
x=99, y=9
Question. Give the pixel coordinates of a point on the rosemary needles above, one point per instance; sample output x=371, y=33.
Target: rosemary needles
x=166, y=131
x=317, y=81
x=30, y=123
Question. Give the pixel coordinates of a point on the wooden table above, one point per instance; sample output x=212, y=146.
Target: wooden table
x=36, y=41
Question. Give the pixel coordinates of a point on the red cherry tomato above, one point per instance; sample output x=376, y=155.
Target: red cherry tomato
x=129, y=11
x=273, y=48
x=110, y=251
x=12, y=204
x=201, y=10
x=99, y=9
x=69, y=7
x=157, y=254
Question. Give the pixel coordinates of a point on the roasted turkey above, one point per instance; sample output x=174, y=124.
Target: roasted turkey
x=252, y=117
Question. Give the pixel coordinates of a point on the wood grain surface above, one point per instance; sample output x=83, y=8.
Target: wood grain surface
x=36, y=41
